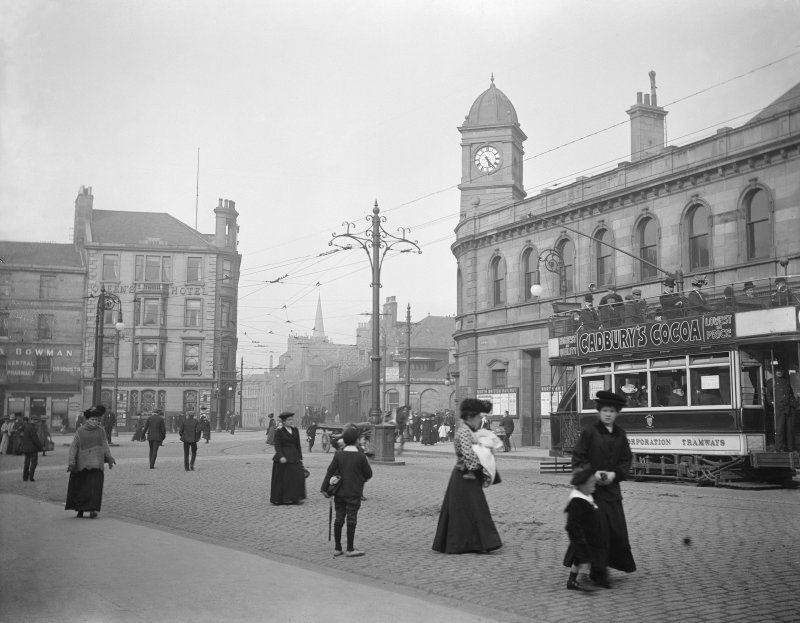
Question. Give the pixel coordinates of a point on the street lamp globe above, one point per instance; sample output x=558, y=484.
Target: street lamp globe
x=536, y=289
x=120, y=326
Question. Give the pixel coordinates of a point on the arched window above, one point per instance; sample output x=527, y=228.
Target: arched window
x=605, y=267
x=648, y=247
x=530, y=272
x=567, y=251
x=698, y=236
x=148, y=400
x=759, y=239
x=498, y=281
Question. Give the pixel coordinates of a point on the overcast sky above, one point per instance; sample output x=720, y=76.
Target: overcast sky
x=305, y=113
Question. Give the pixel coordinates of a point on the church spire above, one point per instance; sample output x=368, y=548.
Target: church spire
x=319, y=326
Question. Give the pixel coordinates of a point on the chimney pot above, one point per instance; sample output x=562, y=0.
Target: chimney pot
x=638, y=97
x=220, y=203
x=646, y=99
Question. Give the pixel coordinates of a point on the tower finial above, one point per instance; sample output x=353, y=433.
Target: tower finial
x=492, y=78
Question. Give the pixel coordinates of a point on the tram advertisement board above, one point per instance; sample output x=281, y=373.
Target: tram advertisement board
x=502, y=398
x=694, y=330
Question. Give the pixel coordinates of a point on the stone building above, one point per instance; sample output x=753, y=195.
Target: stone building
x=301, y=381
x=42, y=289
x=431, y=389
x=254, y=404
x=178, y=291
x=725, y=206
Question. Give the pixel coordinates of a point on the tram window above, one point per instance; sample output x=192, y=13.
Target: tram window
x=591, y=385
x=710, y=386
x=676, y=362
x=632, y=385
x=668, y=388
x=586, y=370
x=709, y=359
x=751, y=385
x=631, y=365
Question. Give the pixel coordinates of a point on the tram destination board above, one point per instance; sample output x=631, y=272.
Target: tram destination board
x=708, y=329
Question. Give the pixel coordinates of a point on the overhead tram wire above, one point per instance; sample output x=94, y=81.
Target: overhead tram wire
x=578, y=139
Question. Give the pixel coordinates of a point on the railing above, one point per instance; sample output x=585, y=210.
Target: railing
x=565, y=428
x=727, y=298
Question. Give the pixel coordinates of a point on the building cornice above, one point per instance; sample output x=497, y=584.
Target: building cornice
x=692, y=178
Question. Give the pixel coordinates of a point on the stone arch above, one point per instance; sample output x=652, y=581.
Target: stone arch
x=693, y=257
x=639, y=270
x=750, y=232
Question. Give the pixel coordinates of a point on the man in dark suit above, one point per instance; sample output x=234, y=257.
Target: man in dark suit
x=190, y=432
x=156, y=431
x=508, y=426
x=108, y=422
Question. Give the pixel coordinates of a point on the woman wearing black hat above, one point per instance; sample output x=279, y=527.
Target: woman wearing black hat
x=465, y=523
x=88, y=455
x=604, y=446
x=288, y=477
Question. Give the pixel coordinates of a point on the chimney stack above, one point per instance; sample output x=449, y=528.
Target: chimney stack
x=83, y=216
x=648, y=127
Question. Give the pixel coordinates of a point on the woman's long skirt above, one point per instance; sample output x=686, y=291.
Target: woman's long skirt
x=288, y=483
x=85, y=490
x=613, y=548
x=465, y=523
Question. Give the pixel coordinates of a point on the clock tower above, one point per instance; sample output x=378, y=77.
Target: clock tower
x=491, y=154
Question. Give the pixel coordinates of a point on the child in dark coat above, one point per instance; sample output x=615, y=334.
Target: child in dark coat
x=582, y=526
x=353, y=468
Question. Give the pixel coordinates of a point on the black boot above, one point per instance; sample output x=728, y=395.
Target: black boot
x=600, y=578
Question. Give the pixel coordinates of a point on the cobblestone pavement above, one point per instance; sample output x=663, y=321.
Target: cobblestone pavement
x=741, y=564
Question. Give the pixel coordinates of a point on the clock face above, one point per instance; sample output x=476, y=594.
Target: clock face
x=487, y=159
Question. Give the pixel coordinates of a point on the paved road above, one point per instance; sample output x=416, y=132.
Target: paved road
x=742, y=562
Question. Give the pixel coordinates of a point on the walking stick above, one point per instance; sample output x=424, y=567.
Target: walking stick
x=330, y=518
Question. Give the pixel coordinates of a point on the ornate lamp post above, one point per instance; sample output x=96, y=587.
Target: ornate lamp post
x=554, y=263
x=105, y=302
x=376, y=242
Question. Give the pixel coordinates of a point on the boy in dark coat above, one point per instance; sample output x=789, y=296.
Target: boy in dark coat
x=353, y=468
x=31, y=447
x=582, y=526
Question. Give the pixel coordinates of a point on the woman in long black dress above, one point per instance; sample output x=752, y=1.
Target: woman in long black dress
x=288, y=477
x=465, y=523
x=88, y=455
x=604, y=446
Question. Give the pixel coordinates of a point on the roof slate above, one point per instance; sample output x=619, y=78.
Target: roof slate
x=787, y=101
x=117, y=227
x=16, y=253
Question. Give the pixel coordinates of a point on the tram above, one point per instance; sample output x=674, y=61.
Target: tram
x=699, y=381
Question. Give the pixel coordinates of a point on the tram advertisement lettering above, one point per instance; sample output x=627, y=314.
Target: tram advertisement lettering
x=690, y=443
x=710, y=328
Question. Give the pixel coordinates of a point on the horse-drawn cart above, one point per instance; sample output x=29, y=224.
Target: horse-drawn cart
x=332, y=435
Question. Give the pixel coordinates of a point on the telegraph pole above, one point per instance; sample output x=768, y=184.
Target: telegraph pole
x=408, y=358
x=241, y=394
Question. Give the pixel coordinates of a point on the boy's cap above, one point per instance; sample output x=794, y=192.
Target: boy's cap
x=581, y=475
x=350, y=435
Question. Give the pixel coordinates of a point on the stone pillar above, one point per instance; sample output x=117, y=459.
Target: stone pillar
x=382, y=440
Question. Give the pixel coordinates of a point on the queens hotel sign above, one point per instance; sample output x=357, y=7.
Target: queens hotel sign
x=706, y=329
x=143, y=288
